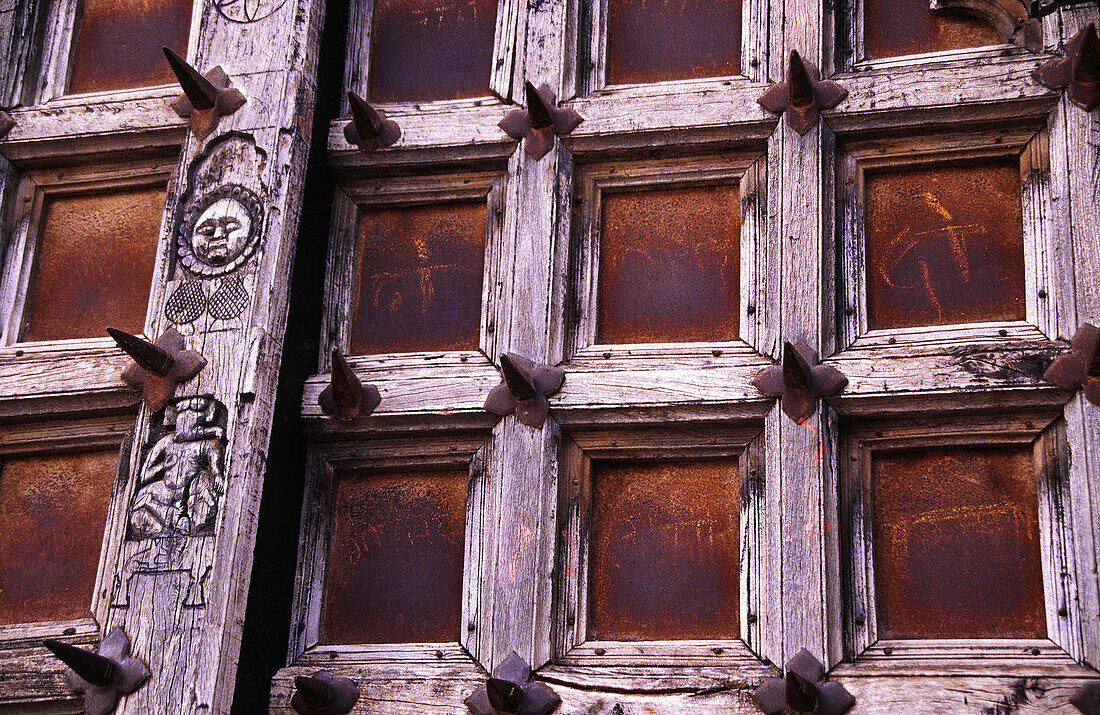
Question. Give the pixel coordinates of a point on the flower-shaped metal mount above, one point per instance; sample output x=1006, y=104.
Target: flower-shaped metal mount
x=6, y=123
x=1078, y=71
x=802, y=97
x=346, y=397
x=803, y=690
x=511, y=690
x=368, y=129
x=206, y=98
x=540, y=122
x=799, y=380
x=324, y=694
x=102, y=676
x=158, y=367
x=524, y=389
x=1080, y=367
x=1087, y=698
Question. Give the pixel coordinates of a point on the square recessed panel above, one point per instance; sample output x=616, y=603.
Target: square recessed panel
x=945, y=245
x=663, y=560
x=670, y=265
x=93, y=264
x=425, y=50
x=909, y=27
x=394, y=571
x=658, y=40
x=118, y=43
x=956, y=544
x=419, y=279
x=52, y=512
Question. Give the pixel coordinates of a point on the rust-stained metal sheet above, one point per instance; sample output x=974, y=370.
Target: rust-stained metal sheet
x=118, y=43
x=944, y=245
x=394, y=571
x=93, y=265
x=425, y=50
x=52, y=513
x=419, y=279
x=956, y=544
x=658, y=40
x=907, y=27
x=664, y=550
x=669, y=265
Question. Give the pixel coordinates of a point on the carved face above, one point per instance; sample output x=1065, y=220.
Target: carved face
x=221, y=232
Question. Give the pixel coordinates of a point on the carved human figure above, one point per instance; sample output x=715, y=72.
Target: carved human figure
x=221, y=232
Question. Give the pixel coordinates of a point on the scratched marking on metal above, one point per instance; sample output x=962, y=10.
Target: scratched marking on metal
x=394, y=573
x=944, y=245
x=905, y=27
x=664, y=550
x=118, y=43
x=956, y=544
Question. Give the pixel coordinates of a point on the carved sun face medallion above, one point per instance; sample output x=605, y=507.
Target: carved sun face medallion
x=220, y=230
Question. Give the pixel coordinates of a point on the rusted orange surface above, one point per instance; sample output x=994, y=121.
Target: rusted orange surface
x=657, y=40
x=908, y=27
x=118, y=43
x=669, y=265
x=394, y=572
x=431, y=49
x=944, y=245
x=94, y=264
x=956, y=544
x=420, y=277
x=664, y=550
x=52, y=513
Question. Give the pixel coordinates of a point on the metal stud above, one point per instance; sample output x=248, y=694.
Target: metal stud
x=323, y=694
x=206, y=97
x=540, y=122
x=6, y=123
x=1078, y=72
x=103, y=676
x=523, y=389
x=345, y=397
x=511, y=690
x=799, y=381
x=368, y=129
x=158, y=367
x=1080, y=367
x=803, y=690
x=802, y=97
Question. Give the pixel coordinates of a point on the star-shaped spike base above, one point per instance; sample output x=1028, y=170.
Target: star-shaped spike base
x=524, y=389
x=1080, y=367
x=1078, y=71
x=511, y=690
x=802, y=97
x=540, y=122
x=368, y=129
x=1087, y=698
x=323, y=694
x=103, y=676
x=6, y=123
x=803, y=690
x=206, y=97
x=799, y=380
x=158, y=367
x=346, y=397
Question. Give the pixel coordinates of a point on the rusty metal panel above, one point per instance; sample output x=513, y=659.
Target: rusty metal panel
x=118, y=43
x=663, y=558
x=907, y=27
x=419, y=279
x=956, y=544
x=52, y=513
x=658, y=40
x=93, y=264
x=394, y=571
x=944, y=245
x=431, y=49
x=669, y=265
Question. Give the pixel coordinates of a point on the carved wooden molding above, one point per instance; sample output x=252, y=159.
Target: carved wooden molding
x=1010, y=17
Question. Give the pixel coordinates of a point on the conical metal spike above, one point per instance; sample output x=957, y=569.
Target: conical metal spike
x=316, y=693
x=504, y=695
x=1092, y=368
x=799, y=88
x=347, y=390
x=519, y=382
x=200, y=92
x=797, y=373
x=90, y=666
x=152, y=357
x=801, y=695
x=538, y=111
x=1087, y=67
x=364, y=117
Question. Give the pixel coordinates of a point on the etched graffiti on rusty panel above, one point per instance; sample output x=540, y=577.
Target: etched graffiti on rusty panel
x=944, y=245
x=956, y=544
x=905, y=27
x=664, y=550
x=394, y=571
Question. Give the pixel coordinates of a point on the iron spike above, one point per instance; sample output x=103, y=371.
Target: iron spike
x=520, y=384
x=797, y=373
x=199, y=90
x=316, y=693
x=538, y=111
x=364, y=117
x=92, y=667
x=799, y=87
x=504, y=695
x=151, y=357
